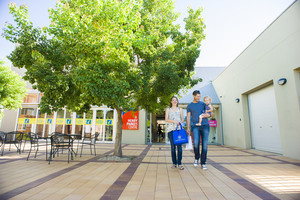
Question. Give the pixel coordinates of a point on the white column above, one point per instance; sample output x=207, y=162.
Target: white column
x=94, y=122
x=83, y=126
x=44, y=126
x=150, y=127
x=64, y=120
x=104, y=125
x=54, y=122
x=74, y=122
x=36, y=118
x=115, y=125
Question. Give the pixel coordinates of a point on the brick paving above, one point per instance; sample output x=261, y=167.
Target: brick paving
x=233, y=173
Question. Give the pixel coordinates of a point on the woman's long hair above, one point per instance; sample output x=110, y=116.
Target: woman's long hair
x=172, y=99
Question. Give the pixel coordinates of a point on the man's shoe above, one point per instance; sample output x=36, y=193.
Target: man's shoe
x=196, y=163
x=203, y=167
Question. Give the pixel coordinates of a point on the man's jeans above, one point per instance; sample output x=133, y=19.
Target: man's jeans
x=173, y=150
x=204, y=132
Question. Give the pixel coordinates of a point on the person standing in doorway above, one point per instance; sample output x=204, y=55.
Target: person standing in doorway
x=174, y=116
x=195, y=109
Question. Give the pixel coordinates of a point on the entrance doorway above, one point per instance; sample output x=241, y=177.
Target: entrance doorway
x=158, y=127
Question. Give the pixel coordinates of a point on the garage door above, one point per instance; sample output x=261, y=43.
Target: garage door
x=264, y=120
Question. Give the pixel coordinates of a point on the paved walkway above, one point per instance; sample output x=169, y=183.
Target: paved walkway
x=233, y=173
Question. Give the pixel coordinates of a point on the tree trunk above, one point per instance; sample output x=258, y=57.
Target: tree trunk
x=118, y=139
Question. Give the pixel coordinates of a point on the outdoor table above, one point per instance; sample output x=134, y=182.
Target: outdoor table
x=46, y=140
x=74, y=136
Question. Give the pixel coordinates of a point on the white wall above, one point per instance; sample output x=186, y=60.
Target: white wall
x=273, y=55
x=8, y=122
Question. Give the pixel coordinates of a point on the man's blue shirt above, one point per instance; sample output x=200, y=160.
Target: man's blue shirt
x=197, y=109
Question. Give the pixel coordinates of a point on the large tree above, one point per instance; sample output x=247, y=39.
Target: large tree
x=119, y=53
x=12, y=89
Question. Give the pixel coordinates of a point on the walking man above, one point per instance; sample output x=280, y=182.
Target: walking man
x=195, y=109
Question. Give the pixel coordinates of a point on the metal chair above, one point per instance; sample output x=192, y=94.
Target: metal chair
x=2, y=136
x=90, y=141
x=34, y=143
x=13, y=137
x=78, y=137
x=59, y=142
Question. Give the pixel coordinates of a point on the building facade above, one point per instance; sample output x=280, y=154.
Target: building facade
x=140, y=128
x=260, y=90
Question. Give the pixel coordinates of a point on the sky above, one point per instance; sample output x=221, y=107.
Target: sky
x=231, y=25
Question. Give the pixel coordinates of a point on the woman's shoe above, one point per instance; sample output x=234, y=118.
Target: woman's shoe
x=181, y=167
x=173, y=166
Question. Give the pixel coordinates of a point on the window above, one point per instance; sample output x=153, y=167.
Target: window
x=26, y=120
x=31, y=98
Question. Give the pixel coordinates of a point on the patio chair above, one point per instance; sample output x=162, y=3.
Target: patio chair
x=26, y=137
x=2, y=136
x=34, y=143
x=78, y=137
x=90, y=141
x=59, y=142
x=13, y=137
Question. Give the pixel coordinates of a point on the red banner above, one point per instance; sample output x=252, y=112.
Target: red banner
x=131, y=120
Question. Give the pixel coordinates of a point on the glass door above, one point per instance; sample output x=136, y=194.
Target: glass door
x=49, y=124
x=99, y=127
x=40, y=123
x=60, y=121
x=69, y=121
x=88, y=125
x=79, y=123
x=104, y=119
x=26, y=121
x=109, y=119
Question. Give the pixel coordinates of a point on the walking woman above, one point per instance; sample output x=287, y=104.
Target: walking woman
x=173, y=117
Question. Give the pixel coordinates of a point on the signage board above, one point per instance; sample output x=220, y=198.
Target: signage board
x=131, y=120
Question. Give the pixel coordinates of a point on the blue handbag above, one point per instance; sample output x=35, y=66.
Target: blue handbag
x=180, y=136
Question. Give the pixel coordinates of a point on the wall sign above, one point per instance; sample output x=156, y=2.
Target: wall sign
x=212, y=123
x=131, y=120
x=26, y=121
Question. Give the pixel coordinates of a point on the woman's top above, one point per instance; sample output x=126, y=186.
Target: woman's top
x=173, y=115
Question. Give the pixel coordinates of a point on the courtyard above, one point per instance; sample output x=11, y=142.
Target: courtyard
x=233, y=173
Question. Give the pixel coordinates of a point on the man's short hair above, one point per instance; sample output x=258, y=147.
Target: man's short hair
x=196, y=92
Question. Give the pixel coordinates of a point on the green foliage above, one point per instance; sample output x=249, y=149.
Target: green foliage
x=12, y=88
x=122, y=54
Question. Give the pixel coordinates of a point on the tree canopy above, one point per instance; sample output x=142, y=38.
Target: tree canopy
x=12, y=88
x=123, y=54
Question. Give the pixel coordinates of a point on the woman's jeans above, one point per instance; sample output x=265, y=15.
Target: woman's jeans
x=173, y=150
x=204, y=132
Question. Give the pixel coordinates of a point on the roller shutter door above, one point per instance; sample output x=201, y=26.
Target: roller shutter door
x=264, y=120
